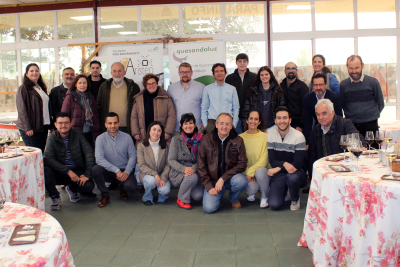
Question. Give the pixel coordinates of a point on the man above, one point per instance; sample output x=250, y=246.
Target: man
x=96, y=79
x=58, y=93
x=68, y=160
x=286, y=153
x=319, y=84
x=220, y=163
x=361, y=97
x=241, y=79
x=294, y=92
x=219, y=97
x=186, y=95
x=116, y=95
x=116, y=160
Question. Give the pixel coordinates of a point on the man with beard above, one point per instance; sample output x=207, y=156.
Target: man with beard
x=96, y=79
x=294, y=92
x=286, y=153
x=186, y=95
x=58, y=93
x=361, y=97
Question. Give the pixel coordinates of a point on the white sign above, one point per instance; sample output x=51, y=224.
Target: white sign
x=200, y=55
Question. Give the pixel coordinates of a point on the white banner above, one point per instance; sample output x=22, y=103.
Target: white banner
x=139, y=60
x=200, y=55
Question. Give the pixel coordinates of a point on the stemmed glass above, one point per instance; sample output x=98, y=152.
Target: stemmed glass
x=369, y=139
x=2, y=197
x=16, y=139
x=379, y=138
x=2, y=143
x=343, y=145
x=388, y=139
x=391, y=156
x=357, y=150
x=349, y=146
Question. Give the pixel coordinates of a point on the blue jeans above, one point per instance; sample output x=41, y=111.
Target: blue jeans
x=238, y=128
x=149, y=183
x=237, y=184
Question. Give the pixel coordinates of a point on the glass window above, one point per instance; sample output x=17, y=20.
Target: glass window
x=255, y=51
x=291, y=17
x=8, y=80
x=388, y=113
x=37, y=26
x=7, y=29
x=158, y=20
x=45, y=59
x=118, y=22
x=244, y=18
x=334, y=15
x=75, y=24
x=71, y=56
x=379, y=57
x=376, y=14
x=200, y=19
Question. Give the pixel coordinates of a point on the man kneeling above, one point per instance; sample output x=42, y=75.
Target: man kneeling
x=221, y=163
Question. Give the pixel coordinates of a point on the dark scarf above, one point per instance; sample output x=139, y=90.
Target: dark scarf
x=148, y=101
x=192, y=143
x=84, y=99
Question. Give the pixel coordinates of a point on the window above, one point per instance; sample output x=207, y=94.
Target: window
x=118, y=22
x=159, y=20
x=71, y=56
x=37, y=26
x=334, y=15
x=201, y=19
x=255, y=51
x=75, y=24
x=8, y=80
x=45, y=59
x=244, y=18
x=376, y=14
x=7, y=29
x=291, y=17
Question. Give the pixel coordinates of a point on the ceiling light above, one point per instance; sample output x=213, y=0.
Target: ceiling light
x=199, y=22
x=127, y=33
x=81, y=18
x=114, y=26
x=299, y=7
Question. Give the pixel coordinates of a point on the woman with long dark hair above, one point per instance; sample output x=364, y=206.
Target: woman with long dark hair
x=318, y=63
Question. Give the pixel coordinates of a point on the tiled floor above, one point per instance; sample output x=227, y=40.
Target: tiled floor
x=127, y=233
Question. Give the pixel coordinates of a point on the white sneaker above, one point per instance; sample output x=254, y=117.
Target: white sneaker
x=251, y=198
x=264, y=203
x=295, y=205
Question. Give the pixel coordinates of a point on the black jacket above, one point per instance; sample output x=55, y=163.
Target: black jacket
x=57, y=96
x=294, y=98
x=95, y=90
x=241, y=87
x=81, y=152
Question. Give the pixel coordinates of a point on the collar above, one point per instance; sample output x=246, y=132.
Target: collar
x=237, y=73
x=154, y=143
x=66, y=87
x=220, y=85
x=222, y=139
x=113, y=138
x=323, y=128
x=190, y=83
x=318, y=98
x=361, y=79
x=118, y=86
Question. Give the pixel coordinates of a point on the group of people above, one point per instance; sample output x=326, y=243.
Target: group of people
x=245, y=132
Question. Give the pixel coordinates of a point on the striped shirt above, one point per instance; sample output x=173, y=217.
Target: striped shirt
x=69, y=161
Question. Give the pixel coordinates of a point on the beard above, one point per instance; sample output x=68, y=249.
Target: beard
x=118, y=80
x=356, y=76
x=186, y=79
x=291, y=76
x=68, y=81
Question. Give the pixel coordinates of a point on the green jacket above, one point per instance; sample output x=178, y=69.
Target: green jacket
x=103, y=101
x=81, y=152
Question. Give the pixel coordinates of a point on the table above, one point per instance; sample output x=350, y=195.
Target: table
x=393, y=126
x=353, y=219
x=51, y=249
x=23, y=179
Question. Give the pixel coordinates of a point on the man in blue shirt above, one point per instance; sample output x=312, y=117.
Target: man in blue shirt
x=116, y=159
x=219, y=97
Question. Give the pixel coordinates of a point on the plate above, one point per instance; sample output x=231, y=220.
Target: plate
x=27, y=149
x=17, y=229
x=335, y=158
x=339, y=168
x=393, y=177
x=370, y=152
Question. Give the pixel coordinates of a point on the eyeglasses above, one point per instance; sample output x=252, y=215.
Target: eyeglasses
x=63, y=123
x=224, y=123
x=185, y=72
x=318, y=85
x=151, y=84
x=291, y=68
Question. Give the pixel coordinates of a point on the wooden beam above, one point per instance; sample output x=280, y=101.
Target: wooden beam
x=45, y=3
x=92, y=56
x=8, y=93
x=140, y=41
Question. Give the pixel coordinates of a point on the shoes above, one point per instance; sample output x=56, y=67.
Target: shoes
x=104, y=201
x=295, y=205
x=73, y=196
x=182, y=205
x=236, y=205
x=251, y=198
x=112, y=186
x=123, y=195
x=148, y=203
x=306, y=190
x=89, y=194
x=264, y=203
x=55, y=203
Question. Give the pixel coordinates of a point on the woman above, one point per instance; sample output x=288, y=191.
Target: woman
x=80, y=105
x=33, y=105
x=152, y=104
x=264, y=95
x=332, y=82
x=182, y=158
x=153, y=165
x=255, y=141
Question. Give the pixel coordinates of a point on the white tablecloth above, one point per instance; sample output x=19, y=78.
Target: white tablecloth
x=51, y=249
x=353, y=219
x=23, y=179
x=393, y=126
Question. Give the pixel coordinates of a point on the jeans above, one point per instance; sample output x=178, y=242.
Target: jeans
x=38, y=139
x=190, y=187
x=101, y=176
x=262, y=183
x=149, y=183
x=237, y=184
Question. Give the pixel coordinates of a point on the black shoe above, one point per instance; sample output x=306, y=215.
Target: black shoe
x=306, y=190
x=148, y=203
x=89, y=194
x=113, y=186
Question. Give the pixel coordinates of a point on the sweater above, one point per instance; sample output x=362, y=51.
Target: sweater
x=155, y=146
x=294, y=98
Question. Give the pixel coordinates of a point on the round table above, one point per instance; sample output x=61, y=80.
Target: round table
x=51, y=249
x=23, y=178
x=353, y=219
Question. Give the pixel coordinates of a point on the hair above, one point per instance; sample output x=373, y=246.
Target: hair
x=325, y=70
x=117, y=62
x=261, y=126
x=242, y=56
x=67, y=68
x=62, y=115
x=326, y=102
x=292, y=63
x=163, y=143
x=226, y=114
x=186, y=118
x=218, y=65
x=95, y=62
x=149, y=76
x=352, y=58
x=111, y=115
x=257, y=81
x=28, y=83
x=282, y=108
x=73, y=85
x=185, y=65
x=318, y=75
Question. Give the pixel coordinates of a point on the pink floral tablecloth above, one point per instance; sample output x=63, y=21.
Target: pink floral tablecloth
x=51, y=249
x=353, y=219
x=23, y=179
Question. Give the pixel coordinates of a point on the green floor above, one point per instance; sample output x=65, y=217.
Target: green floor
x=127, y=233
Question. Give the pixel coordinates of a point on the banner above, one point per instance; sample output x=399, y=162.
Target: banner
x=139, y=60
x=200, y=55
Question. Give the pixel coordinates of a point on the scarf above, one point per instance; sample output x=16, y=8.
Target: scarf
x=192, y=143
x=84, y=99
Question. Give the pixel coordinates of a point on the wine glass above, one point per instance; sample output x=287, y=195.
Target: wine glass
x=2, y=143
x=391, y=155
x=8, y=138
x=388, y=139
x=357, y=150
x=343, y=145
x=16, y=139
x=379, y=138
x=349, y=146
x=369, y=139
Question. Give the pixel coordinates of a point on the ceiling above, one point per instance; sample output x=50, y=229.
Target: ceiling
x=19, y=2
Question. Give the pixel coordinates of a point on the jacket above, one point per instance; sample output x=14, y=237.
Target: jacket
x=241, y=87
x=81, y=152
x=30, y=110
x=332, y=83
x=147, y=163
x=73, y=107
x=294, y=98
x=94, y=90
x=103, y=101
x=164, y=112
x=207, y=163
x=57, y=96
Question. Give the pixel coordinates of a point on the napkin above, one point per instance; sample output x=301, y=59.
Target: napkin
x=28, y=220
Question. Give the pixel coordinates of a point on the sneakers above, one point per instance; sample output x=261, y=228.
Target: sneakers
x=73, y=196
x=55, y=203
x=183, y=205
x=264, y=203
x=251, y=198
x=295, y=205
x=236, y=205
